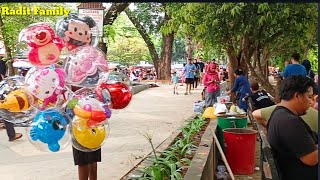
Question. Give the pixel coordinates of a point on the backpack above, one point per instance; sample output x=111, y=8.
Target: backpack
x=197, y=73
x=310, y=74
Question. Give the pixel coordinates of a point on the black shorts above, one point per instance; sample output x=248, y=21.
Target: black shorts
x=84, y=158
x=189, y=81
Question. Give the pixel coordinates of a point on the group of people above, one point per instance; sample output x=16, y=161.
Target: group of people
x=195, y=73
x=140, y=74
x=292, y=125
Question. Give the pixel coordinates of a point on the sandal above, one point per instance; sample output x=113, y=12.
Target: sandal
x=17, y=136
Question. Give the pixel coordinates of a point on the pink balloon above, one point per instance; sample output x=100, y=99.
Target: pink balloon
x=46, y=46
x=87, y=107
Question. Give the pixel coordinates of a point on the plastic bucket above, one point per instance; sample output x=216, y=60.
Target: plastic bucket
x=229, y=122
x=240, y=145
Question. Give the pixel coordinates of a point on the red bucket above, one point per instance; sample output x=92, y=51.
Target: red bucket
x=240, y=147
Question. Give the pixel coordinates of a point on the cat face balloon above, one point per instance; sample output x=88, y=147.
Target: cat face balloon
x=45, y=84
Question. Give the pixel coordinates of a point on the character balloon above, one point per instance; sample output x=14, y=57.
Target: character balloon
x=49, y=127
x=45, y=84
x=88, y=139
x=76, y=31
x=118, y=93
x=89, y=127
x=84, y=66
x=45, y=45
x=15, y=102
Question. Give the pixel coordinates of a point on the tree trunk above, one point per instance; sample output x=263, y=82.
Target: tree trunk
x=163, y=65
x=114, y=11
x=166, y=55
x=233, y=63
x=108, y=19
x=8, y=50
x=151, y=47
x=189, y=48
x=305, y=53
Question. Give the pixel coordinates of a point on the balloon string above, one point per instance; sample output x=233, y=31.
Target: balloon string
x=64, y=97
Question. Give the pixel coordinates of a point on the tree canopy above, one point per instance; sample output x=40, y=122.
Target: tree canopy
x=127, y=46
x=250, y=33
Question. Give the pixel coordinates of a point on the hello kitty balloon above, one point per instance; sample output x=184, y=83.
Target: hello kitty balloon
x=46, y=85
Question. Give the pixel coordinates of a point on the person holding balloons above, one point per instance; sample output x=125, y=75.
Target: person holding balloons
x=68, y=103
x=8, y=125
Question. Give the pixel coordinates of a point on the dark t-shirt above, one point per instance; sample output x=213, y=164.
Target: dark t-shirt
x=201, y=65
x=3, y=69
x=261, y=99
x=291, y=138
x=225, y=75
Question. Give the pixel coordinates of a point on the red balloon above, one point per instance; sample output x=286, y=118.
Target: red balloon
x=120, y=94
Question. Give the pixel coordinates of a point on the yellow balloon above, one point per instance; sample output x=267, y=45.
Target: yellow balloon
x=209, y=113
x=90, y=138
x=17, y=101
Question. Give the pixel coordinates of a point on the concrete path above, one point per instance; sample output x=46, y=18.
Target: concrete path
x=156, y=110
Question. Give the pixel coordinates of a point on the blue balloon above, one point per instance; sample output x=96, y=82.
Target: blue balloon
x=49, y=127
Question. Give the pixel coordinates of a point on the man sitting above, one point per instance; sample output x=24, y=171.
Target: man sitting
x=260, y=98
x=293, y=142
x=311, y=117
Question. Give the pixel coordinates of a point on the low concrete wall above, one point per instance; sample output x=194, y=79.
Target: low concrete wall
x=139, y=87
x=204, y=163
x=137, y=172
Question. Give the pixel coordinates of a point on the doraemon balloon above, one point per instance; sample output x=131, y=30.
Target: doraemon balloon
x=50, y=127
x=46, y=84
x=44, y=46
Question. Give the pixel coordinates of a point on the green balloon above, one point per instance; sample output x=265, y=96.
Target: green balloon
x=72, y=103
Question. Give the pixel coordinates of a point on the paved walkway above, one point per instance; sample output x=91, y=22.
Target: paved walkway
x=156, y=110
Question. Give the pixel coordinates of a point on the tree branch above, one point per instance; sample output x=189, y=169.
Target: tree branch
x=144, y=35
x=113, y=12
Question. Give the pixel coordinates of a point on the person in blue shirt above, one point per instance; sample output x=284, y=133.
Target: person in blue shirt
x=175, y=81
x=189, y=71
x=241, y=86
x=294, y=68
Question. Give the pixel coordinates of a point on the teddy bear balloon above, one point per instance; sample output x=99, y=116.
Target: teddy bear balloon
x=45, y=45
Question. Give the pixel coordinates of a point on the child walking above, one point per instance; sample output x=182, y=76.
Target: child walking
x=175, y=81
x=86, y=161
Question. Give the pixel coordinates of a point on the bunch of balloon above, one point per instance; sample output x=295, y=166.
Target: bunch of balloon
x=64, y=97
x=86, y=67
x=83, y=65
x=45, y=83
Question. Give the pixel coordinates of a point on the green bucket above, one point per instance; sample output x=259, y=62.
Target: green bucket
x=225, y=122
